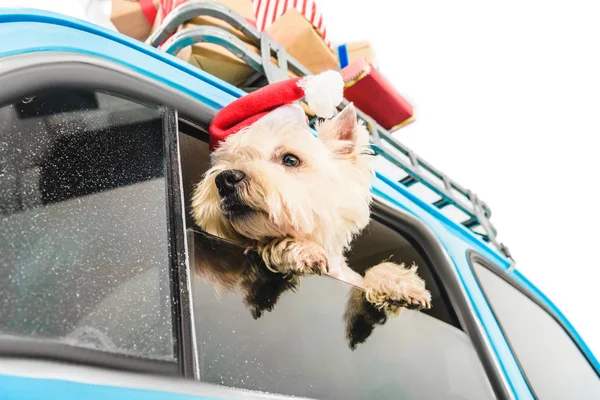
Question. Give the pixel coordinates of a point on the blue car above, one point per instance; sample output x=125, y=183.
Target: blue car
x=102, y=139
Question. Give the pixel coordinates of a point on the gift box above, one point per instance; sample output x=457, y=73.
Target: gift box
x=134, y=18
x=269, y=11
x=374, y=95
x=350, y=52
x=302, y=41
x=220, y=62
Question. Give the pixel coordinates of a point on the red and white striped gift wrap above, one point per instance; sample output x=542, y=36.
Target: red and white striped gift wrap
x=268, y=11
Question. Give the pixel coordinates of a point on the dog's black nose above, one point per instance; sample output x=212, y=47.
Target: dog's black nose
x=228, y=180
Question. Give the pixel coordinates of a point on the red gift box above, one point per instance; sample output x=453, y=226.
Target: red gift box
x=371, y=93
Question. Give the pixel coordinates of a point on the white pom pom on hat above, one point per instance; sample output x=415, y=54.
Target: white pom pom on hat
x=323, y=93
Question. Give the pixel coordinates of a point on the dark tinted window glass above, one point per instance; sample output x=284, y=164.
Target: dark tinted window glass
x=552, y=362
x=300, y=347
x=83, y=227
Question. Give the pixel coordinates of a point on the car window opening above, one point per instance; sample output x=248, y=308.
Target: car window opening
x=270, y=333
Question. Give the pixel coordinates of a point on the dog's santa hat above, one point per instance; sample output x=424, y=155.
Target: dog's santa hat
x=323, y=93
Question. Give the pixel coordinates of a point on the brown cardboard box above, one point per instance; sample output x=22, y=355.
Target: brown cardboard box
x=356, y=50
x=300, y=39
x=242, y=7
x=210, y=21
x=218, y=61
x=128, y=18
x=221, y=63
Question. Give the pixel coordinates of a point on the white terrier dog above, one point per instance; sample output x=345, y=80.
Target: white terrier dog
x=299, y=200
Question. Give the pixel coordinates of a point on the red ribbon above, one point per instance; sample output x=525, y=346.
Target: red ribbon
x=149, y=9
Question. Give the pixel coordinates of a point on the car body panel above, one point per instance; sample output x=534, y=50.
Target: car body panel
x=16, y=387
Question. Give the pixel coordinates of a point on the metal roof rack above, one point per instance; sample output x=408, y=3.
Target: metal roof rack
x=417, y=169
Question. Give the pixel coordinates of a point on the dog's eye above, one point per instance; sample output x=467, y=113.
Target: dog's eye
x=290, y=160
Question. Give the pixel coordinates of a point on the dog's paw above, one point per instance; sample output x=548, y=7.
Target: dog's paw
x=295, y=257
x=311, y=259
x=391, y=287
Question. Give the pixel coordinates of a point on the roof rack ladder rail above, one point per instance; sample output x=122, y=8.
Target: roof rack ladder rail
x=478, y=211
x=445, y=201
x=197, y=8
x=483, y=220
x=210, y=34
x=222, y=37
x=268, y=48
x=474, y=210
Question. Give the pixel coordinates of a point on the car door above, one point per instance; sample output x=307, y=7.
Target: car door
x=103, y=140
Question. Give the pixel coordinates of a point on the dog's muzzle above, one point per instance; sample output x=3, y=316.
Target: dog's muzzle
x=228, y=184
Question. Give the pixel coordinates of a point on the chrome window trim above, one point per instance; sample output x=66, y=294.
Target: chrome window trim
x=180, y=266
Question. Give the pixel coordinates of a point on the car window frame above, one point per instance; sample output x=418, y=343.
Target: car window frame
x=37, y=72
x=503, y=274
x=429, y=247
x=422, y=238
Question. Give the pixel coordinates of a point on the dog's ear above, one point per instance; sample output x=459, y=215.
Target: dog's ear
x=341, y=133
x=346, y=124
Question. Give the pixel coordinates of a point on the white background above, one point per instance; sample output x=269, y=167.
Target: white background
x=508, y=101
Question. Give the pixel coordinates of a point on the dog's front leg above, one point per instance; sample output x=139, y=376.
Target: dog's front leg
x=339, y=269
x=294, y=256
x=386, y=289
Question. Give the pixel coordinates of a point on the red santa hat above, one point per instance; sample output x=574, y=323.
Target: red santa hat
x=323, y=93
